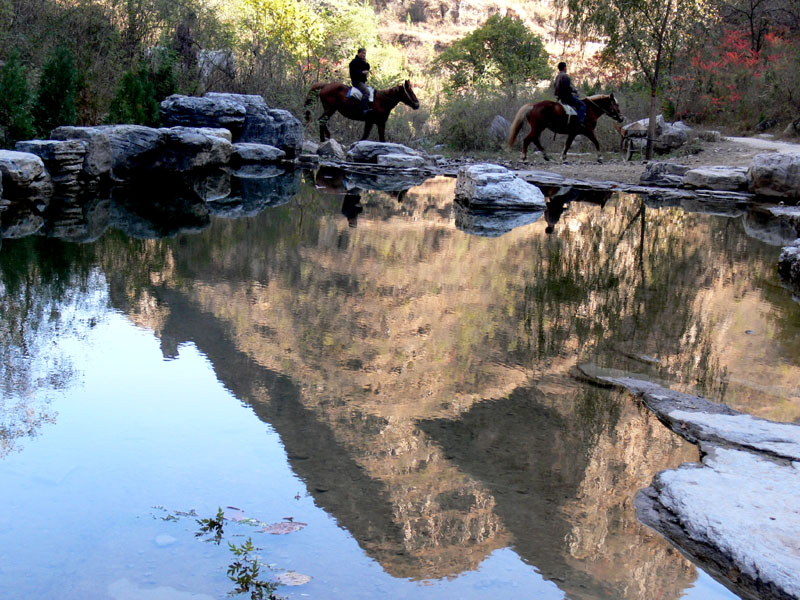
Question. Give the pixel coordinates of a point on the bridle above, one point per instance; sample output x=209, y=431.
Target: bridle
x=605, y=111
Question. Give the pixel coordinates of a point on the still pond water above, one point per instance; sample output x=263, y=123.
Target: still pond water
x=397, y=393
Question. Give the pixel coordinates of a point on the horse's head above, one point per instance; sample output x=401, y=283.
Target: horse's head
x=613, y=109
x=408, y=96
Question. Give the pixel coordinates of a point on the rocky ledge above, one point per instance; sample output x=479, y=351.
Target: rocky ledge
x=736, y=512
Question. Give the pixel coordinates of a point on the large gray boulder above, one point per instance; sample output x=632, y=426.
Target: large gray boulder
x=191, y=111
x=731, y=179
x=256, y=153
x=492, y=186
x=331, y=149
x=97, y=160
x=24, y=175
x=133, y=147
x=776, y=175
x=189, y=149
x=247, y=116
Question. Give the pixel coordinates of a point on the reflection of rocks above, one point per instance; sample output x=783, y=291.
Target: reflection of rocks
x=389, y=181
x=492, y=223
x=20, y=219
x=789, y=267
x=255, y=188
x=772, y=225
x=77, y=220
x=154, y=212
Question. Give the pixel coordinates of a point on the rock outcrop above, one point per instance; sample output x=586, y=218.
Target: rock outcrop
x=776, y=175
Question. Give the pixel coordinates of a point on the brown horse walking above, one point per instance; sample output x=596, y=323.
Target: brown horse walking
x=333, y=97
x=551, y=115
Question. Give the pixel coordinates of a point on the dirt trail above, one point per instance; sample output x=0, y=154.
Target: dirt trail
x=731, y=151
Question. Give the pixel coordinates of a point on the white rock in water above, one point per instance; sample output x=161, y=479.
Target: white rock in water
x=493, y=186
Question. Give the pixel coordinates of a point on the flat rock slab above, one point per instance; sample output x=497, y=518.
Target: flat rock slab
x=737, y=512
x=257, y=153
x=732, y=179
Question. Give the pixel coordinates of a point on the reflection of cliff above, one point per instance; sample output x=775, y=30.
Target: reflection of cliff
x=563, y=471
x=346, y=339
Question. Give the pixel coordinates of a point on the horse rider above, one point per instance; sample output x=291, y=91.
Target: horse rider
x=359, y=69
x=567, y=93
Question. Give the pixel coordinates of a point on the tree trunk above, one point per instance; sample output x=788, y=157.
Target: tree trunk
x=651, y=127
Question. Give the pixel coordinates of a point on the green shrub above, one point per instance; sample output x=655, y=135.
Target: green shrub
x=135, y=101
x=16, y=121
x=57, y=92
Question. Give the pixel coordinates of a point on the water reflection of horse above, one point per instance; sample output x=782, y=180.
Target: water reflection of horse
x=551, y=115
x=333, y=97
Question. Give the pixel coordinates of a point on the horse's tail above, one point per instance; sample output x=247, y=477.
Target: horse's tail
x=522, y=114
x=311, y=97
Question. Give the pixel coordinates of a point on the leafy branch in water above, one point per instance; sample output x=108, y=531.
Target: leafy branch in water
x=244, y=572
x=212, y=525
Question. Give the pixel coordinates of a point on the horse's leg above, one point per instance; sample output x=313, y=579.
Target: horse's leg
x=368, y=128
x=534, y=136
x=570, y=136
x=382, y=131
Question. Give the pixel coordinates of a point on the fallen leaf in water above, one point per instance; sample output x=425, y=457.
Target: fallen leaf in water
x=292, y=578
x=283, y=528
x=234, y=514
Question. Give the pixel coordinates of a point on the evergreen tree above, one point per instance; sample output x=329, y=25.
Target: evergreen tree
x=56, y=96
x=16, y=121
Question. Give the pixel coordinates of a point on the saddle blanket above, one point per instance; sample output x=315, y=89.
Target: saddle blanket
x=356, y=93
x=571, y=112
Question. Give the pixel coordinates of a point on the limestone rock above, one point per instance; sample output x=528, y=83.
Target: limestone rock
x=331, y=148
x=663, y=174
x=63, y=159
x=24, y=176
x=97, y=160
x=190, y=148
x=730, y=179
x=776, y=175
x=401, y=160
x=191, y=111
x=492, y=186
x=247, y=152
x=133, y=147
x=366, y=151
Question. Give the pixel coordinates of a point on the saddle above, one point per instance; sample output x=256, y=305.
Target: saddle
x=571, y=112
x=355, y=93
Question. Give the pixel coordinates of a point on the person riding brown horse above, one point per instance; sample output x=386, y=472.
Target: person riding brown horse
x=359, y=69
x=334, y=97
x=551, y=115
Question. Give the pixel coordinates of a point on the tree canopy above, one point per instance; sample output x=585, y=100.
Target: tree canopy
x=501, y=51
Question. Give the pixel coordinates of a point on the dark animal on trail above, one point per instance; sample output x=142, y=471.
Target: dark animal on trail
x=551, y=115
x=333, y=97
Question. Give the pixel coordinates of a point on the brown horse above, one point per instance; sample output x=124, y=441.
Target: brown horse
x=551, y=115
x=333, y=97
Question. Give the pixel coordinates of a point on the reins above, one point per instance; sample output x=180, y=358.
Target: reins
x=602, y=110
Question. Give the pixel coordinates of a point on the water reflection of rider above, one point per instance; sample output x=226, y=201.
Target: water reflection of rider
x=351, y=207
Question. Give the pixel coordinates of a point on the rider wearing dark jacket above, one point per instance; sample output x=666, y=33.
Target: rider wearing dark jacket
x=567, y=93
x=359, y=68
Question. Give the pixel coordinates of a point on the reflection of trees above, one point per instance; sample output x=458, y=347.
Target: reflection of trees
x=44, y=284
x=347, y=339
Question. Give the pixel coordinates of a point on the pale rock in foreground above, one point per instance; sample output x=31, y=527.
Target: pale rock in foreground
x=491, y=186
x=775, y=174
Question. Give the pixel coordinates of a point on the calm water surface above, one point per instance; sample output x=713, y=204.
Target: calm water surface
x=402, y=388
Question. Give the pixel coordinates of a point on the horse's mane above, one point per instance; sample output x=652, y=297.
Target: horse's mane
x=597, y=97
